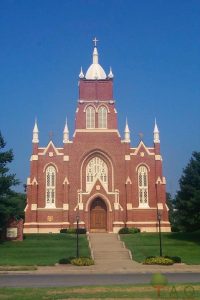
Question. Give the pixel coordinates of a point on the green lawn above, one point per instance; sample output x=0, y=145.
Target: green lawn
x=178, y=291
x=185, y=245
x=42, y=249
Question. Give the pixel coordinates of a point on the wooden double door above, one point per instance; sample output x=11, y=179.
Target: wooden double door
x=98, y=216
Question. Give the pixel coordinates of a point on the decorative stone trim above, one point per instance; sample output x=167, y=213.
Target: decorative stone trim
x=66, y=158
x=127, y=157
x=34, y=157
x=65, y=206
x=33, y=206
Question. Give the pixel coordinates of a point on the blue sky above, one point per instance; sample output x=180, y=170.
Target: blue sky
x=152, y=46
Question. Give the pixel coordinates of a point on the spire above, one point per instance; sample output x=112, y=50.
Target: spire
x=81, y=75
x=95, y=56
x=35, y=139
x=66, y=133
x=110, y=75
x=95, y=71
x=127, y=133
x=156, y=133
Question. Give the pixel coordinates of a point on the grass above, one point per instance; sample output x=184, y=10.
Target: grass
x=185, y=245
x=178, y=291
x=41, y=249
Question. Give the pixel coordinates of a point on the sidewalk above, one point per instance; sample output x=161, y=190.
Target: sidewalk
x=109, y=268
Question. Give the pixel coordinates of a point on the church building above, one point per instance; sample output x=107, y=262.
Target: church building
x=97, y=176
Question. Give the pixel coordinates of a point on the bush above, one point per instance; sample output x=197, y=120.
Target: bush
x=73, y=230
x=63, y=230
x=82, y=261
x=127, y=230
x=66, y=260
x=81, y=231
x=176, y=259
x=158, y=260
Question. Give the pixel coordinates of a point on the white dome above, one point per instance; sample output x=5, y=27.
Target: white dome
x=95, y=71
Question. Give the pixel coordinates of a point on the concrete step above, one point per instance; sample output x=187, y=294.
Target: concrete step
x=108, y=249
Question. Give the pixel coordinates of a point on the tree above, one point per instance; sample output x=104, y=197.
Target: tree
x=187, y=202
x=11, y=203
x=172, y=213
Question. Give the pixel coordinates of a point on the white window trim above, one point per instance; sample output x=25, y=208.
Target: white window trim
x=102, y=117
x=50, y=187
x=96, y=169
x=143, y=186
x=90, y=117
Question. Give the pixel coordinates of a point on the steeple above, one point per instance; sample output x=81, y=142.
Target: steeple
x=127, y=133
x=66, y=133
x=95, y=71
x=81, y=75
x=110, y=75
x=35, y=139
x=156, y=133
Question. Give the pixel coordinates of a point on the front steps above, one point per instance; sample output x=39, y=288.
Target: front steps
x=108, y=250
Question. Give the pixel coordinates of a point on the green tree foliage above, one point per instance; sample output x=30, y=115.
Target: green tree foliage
x=172, y=212
x=11, y=203
x=187, y=202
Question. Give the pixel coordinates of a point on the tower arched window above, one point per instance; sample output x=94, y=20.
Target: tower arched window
x=96, y=169
x=90, y=117
x=50, y=186
x=143, y=186
x=102, y=117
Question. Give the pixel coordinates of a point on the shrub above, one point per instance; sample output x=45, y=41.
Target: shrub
x=81, y=231
x=176, y=259
x=63, y=230
x=127, y=230
x=134, y=230
x=82, y=261
x=66, y=260
x=73, y=231
x=158, y=260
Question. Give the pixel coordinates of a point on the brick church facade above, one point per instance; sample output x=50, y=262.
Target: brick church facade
x=97, y=176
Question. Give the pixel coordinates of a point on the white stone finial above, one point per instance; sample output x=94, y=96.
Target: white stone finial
x=95, y=56
x=81, y=74
x=127, y=133
x=110, y=75
x=156, y=133
x=35, y=139
x=66, y=133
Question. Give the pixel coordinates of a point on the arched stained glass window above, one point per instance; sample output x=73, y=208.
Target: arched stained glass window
x=50, y=186
x=143, y=186
x=102, y=117
x=96, y=169
x=90, y=117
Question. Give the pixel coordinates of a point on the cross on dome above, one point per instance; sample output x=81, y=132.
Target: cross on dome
x=95, y=41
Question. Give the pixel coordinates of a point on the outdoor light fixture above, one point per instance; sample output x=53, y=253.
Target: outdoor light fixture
x=77, y=237
x=160, y=238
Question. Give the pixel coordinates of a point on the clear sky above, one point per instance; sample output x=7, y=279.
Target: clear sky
x=152, y=46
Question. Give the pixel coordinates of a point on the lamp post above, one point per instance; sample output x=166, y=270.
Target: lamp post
x=77, y=239
x=160, y=237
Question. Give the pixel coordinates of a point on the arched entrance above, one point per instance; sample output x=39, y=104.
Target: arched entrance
x=98, y=216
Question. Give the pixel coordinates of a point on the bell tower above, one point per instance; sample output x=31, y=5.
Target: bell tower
x=96, y=106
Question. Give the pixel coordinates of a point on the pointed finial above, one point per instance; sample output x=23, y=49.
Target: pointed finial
x=35, y=133
x=141, y=135
x=127, y=133
x=110, y=75
x=156, y=133
x=81, y=75
x=66, y=133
